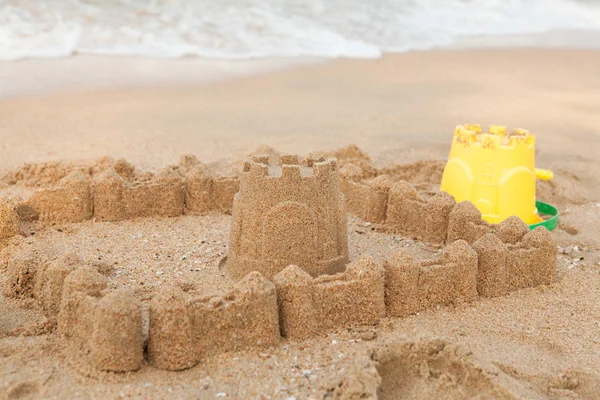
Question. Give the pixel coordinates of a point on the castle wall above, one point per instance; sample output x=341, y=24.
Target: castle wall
x=116, y=199
x=424, y=219
x=205, y=192
x=167, y=194
x=489, y=268
x=412, y=286
x=163, y=196
x=505, y=267
x=438, y=219
x=355, y=194
x=465, y=223
x=198, y=190
x=81, y=291
x=105, y=326
x=108, y=327
x=116, y=195
x=70, y=201
x=492, y=271
x=309, y=306
x=376, y=200
x=223, y=192
x=367, y=201
x=399, y=208
x=170, y=339
x=184, y=329
x=108, y=196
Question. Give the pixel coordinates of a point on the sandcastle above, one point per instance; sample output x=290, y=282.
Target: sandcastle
x=288, y=214
x=289, y=287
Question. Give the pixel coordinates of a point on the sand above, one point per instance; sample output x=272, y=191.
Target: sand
x=537, y=342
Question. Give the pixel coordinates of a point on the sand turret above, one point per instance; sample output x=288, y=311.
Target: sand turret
x=287, y=214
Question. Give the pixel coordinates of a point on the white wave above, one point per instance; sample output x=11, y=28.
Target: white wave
x=243, y=29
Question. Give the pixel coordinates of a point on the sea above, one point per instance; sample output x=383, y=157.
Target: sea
x=254, y=29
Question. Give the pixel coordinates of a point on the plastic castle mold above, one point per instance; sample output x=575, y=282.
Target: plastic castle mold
x=288, y=214
x=494, y=171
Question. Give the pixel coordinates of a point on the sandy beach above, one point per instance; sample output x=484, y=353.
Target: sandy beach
x=541, y=342
x=398, y=109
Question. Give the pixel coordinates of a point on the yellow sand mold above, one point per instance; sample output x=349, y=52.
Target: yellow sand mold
x=495, y=171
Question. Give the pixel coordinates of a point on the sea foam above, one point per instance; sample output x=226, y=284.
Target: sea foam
x=245, y=29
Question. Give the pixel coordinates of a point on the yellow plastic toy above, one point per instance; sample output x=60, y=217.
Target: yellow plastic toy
x=495, y=171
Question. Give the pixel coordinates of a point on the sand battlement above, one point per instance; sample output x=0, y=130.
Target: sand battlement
x=398, y=207
x=505, y=267
x=308, y=306
x=412, y=286
x=116, y=198
x=117, y=193
x=288, y=214
x=437, y=219
x=69, y=201
x=183, y=329
x=289, y=167
x=105, y=325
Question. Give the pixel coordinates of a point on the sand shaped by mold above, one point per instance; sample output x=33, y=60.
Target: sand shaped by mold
x=288, y=214
x=317, y=296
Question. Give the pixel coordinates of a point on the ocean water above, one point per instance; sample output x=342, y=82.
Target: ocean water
x=246, y=29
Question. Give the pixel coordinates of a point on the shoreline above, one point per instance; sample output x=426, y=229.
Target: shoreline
x=84, y=72
x=89, y=72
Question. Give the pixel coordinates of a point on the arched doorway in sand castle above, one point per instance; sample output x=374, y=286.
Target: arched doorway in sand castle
x=300, y=248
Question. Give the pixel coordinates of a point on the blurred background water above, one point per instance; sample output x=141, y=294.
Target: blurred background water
x=246, y=29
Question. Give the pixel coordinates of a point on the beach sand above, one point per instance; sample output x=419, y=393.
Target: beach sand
x=540, y=342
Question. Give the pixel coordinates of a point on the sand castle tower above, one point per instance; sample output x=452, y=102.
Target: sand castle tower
x=288, y=214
